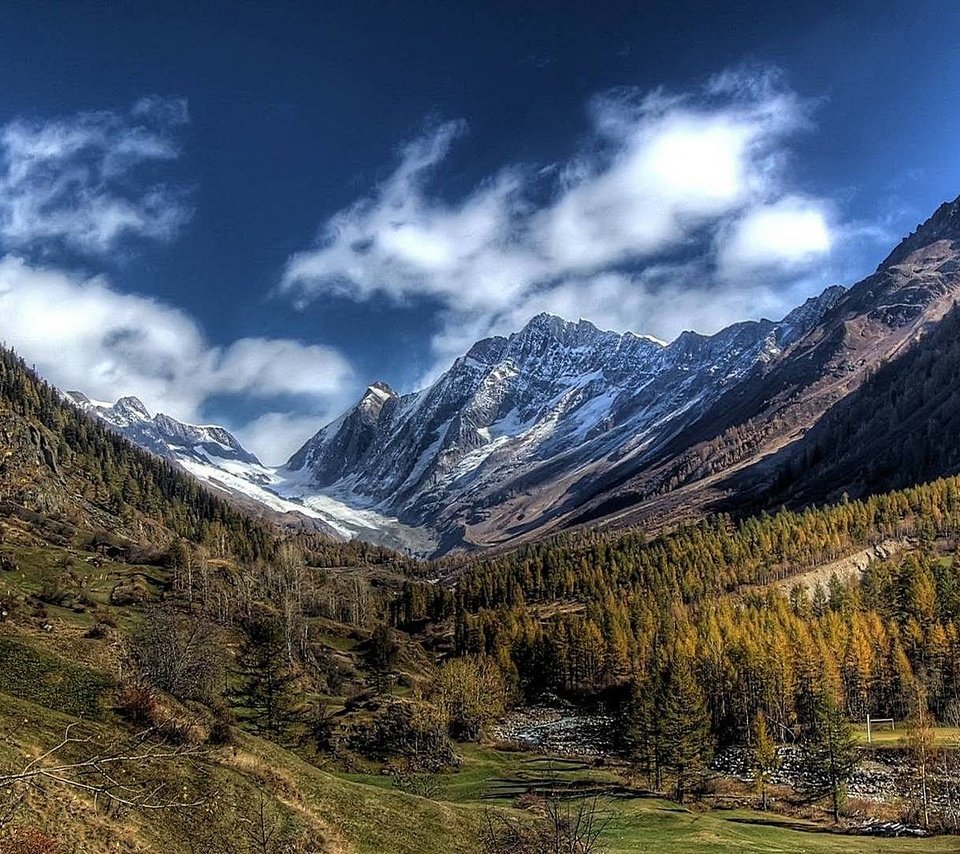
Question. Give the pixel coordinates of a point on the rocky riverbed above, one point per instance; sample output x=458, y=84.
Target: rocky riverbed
x=558, y=728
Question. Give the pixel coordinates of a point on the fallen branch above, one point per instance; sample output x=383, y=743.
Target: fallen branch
x=100, y=772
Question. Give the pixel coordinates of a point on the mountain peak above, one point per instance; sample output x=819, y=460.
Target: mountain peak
x=377, y=395
x=131, y=406
x=943, y=225
x=379, y=390
x=555, y=325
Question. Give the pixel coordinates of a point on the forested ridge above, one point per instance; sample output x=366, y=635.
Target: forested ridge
x=133, y=485
x=706, y=614
x=718, y=555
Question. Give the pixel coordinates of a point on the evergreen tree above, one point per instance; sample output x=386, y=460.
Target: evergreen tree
x=268, y=680
x=641, y=729
x=830, y=754
x=685, y=725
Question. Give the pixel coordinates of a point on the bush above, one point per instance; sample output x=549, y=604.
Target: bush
x=60, y=591
x=223, y=729
x=100, y=629
x=179, y=655
x=143, y=707
x=138, y=704
x=130, y=591
x=322, y=726
x=407, y=779
x=416, y=732
x=472, y=693
x=567, y=824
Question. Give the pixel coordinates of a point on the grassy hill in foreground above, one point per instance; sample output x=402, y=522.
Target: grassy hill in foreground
x=53, y=673
x=354, y=813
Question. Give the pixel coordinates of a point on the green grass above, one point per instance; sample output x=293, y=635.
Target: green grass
x=367, y=815
x=491, y=778
x=885, y=737
x=659, y=827
x=50, y=681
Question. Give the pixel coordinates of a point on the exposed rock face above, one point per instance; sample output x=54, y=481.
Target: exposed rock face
x=165, y=436
x=562, y=423
x=527, y=422
x=736, y=446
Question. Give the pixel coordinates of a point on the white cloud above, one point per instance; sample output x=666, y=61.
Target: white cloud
x=279, y=435
x=87, y=181
x=665, y=187
x=83, y=334
x=786, y=234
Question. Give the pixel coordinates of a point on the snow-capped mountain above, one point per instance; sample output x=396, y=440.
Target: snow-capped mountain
x=214, y=455
x=531, y=416
x=562, y=423
x=165, y=436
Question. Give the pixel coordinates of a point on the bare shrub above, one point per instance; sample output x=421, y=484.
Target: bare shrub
x=407, y=730
x=138, y=704
x=407, y=777
x=568, y=826
x=179, y=655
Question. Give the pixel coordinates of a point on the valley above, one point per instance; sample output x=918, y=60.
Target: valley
x=368, y=660
x=480, y=428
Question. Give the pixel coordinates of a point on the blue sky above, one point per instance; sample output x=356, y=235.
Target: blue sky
x=246, y=212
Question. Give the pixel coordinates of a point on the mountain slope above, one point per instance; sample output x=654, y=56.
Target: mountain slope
x=562, y=423
x=899, y=428
x=165, y=436
x=739, y=447
x=65, y=472
x=519, y=426
x=212, y=455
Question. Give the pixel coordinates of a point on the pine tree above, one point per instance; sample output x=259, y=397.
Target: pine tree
x=685, y=725
x=831, y=753
x=268, y=680
x=641, y=729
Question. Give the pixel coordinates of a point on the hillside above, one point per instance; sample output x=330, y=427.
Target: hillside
x=897, y=429
x=875, y=325
x=63, y=669
x=253, y=700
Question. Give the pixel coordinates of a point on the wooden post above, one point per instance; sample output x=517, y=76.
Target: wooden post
x=869, y=736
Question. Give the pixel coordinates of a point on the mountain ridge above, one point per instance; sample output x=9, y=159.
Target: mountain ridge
x=508, y=411
x=562, y=423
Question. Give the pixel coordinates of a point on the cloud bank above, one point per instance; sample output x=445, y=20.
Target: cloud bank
x=87, y=182
x=84, y=334
x=86, y=185
x=676, y=212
